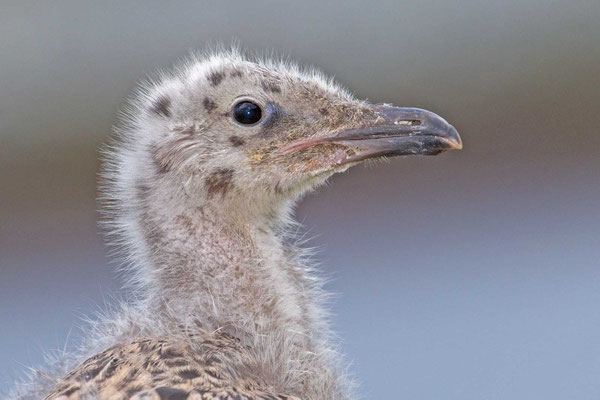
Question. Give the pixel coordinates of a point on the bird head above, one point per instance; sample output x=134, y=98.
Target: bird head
x=238, y=128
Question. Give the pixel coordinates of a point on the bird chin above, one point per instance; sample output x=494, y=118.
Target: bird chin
x=344, y=166
x=338, y=165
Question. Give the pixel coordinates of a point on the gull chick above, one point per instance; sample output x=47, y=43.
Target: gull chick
x=199, y=187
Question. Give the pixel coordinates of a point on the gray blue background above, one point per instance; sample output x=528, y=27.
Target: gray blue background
x=471, y=275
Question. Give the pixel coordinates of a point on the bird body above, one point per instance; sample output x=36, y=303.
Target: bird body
x=198, y=191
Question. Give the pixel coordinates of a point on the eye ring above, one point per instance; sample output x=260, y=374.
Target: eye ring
x=247, y=112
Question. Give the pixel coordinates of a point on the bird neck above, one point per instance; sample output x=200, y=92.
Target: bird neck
x=226, y=265
x=216, y=265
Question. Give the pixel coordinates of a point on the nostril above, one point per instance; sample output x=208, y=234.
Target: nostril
x=407, y=122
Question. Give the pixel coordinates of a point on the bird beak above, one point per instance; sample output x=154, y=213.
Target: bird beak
x=399, y=131
x=395, y=131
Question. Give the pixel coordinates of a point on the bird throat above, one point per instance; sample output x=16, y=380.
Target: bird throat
x=220, y=267
x=217, y=265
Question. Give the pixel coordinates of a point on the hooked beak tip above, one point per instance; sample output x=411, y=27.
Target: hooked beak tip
x=453, y=139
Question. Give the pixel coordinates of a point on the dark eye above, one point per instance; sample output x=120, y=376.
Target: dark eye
x=247, y=113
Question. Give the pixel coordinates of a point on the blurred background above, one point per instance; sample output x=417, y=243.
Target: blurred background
x=471, y=275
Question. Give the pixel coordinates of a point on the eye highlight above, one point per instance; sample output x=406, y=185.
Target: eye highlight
x=247, y=113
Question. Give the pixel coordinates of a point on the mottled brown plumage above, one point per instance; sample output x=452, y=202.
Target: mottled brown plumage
x=165, y=368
